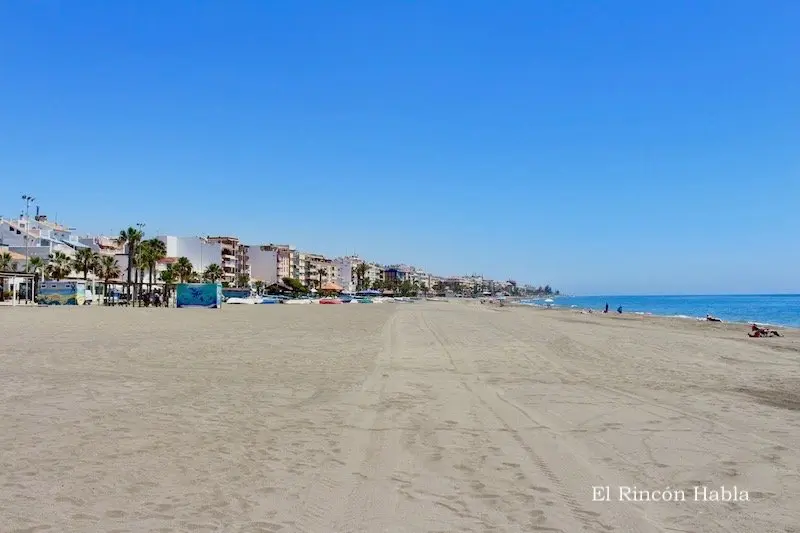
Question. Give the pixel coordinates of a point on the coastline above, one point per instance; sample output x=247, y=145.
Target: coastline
x=535, y=304
x=678, y=321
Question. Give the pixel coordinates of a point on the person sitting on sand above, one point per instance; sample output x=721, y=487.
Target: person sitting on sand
x=762, y=332
x=712, y=318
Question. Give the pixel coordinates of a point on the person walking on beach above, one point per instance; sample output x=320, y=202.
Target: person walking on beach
x=606, y=310
x=619, y=309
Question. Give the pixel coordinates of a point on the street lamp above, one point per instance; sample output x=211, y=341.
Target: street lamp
x=27, y=198
x=203, y=242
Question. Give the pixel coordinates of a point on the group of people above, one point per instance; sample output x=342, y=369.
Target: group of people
x=619, y=309
x=756, y=331
x=152, y=298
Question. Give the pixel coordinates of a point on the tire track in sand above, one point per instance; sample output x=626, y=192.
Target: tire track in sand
x=341, y=497
x=555, y=449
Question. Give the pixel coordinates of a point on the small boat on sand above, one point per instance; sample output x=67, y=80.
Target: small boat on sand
x=330, y=301
x=248, y=300
x=297, y=301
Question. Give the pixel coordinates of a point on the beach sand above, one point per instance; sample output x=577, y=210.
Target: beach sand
x=429, y=417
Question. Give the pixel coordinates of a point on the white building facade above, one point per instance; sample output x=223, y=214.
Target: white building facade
x=345, y=272
x=199, y=251
x=263, y=261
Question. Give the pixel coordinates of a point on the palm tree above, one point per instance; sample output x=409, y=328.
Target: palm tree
x=5, y=266
x=213, y=273
x=138, y=267
x=259, y=286
x=152, y=251
x=36, y=265
x=85, y=260
x=361, y=274
x=169, y=275
x=243, y=280
x=183, y=269
x=59, y=267
x=130, y=237
x=5, y=261
x=107, y=269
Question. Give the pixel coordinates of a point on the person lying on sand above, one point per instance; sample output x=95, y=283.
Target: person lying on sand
x=762, y=332
x=712, y=318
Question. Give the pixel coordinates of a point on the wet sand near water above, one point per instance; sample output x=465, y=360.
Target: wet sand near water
x=425, y=417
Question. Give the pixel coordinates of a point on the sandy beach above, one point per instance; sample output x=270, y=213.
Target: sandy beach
x=425, y=417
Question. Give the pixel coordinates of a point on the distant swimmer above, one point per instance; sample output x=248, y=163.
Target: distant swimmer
x=712, y=318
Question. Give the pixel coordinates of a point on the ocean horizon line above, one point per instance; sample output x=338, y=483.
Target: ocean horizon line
x=682, y=295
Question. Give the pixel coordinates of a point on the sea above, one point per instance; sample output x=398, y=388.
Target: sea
x=767, y=309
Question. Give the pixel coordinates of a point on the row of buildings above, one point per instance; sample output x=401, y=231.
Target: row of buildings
x=240, y=263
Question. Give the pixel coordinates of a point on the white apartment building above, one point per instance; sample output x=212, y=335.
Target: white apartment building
x=285, y=258
x=263, y=261
x=43, y=237
x=201, y=252
x=233, y=258
x=345, y=272
x=374, y=273
x=313, y=269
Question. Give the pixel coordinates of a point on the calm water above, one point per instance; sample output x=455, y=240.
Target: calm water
x=775, y=309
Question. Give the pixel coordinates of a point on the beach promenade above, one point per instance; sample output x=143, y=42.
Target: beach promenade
x=425, y=417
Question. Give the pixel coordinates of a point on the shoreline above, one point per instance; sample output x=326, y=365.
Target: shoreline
x=648, y=314
x=654, y=318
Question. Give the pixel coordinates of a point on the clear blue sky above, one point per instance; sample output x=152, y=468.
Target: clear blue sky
x=601, y=147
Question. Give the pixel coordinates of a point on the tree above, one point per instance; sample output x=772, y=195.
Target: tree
x=258, y=285
x=184, y=269
x=5, y=265
x=130, y=238
x=295, y=285
x=85, y=260
x=213, y=273
x=361, y=274
x=168, y=276
x=5, y=262
x=59, y=266
x=36, y=265
x=107, y=269
x=243, y=280
x=152, y=251
x=405, y=288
